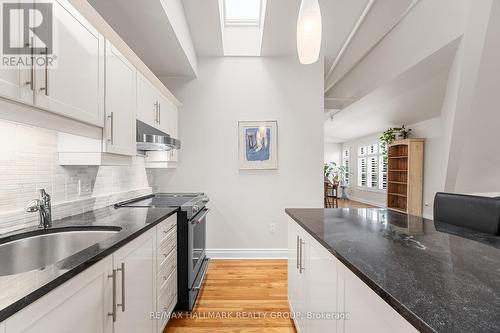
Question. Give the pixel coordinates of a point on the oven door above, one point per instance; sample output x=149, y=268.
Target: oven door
x=197, y=244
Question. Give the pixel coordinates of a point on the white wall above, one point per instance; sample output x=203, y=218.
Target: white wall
x=333, y=153
x=245, y=202
x=473, y=154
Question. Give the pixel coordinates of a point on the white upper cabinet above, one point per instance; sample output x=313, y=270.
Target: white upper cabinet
x=147, y=101
x=120, y=105
x=10, y=79
x=155, y=109
x=73, y=87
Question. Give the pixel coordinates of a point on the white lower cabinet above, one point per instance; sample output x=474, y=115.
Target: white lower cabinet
x=134, y=267
x=80, y=305
x=296, y=278
x=367, y=311
x=118, y=294
x=325, y=296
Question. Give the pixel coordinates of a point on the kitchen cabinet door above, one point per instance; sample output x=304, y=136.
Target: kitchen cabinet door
x=10, y=80
x=120, y=125
x=81, y=305
x=74, y=87
x=163, y=122
x=296, y=277
x=367, y=311
x=147, y=101
x=135, y=272
x=321, y=289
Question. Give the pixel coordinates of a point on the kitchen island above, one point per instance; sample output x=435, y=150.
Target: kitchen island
x=385, y=270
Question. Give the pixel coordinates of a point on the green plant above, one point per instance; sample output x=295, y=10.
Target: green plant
x=328, y=169
x=334, y=173
x=389, y=135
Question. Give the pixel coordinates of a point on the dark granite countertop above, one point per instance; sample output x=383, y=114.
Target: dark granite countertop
x=439, y=277
x=19, y=290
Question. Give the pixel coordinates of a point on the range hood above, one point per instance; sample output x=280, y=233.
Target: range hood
x=152, y=139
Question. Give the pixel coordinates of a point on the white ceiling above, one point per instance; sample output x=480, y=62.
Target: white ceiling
x=413, y=96
x=144, y=26
x=205, y=26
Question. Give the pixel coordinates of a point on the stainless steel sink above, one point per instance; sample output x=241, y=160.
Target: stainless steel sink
x=40, y=248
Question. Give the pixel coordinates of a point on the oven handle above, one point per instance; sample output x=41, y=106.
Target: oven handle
x=201, y=275
x=202, y=216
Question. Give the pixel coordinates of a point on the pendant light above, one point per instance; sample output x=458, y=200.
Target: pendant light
x=309, y=32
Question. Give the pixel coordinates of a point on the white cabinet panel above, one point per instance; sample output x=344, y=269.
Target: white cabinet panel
x=147, y=101
x=2, y=327
x=74, y=87
x=10, y=80
x=367, y=311
x=135, y=285
x=321, y=289
x=80, y=305
x=296, y=277
x=120, y=104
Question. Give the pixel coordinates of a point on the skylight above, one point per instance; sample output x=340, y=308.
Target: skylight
x=242, y=12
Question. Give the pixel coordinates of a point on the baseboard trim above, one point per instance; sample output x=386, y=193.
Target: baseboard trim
x=247, y=253
x=368, y=202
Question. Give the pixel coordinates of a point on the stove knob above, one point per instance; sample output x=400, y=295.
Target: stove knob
x=195, y=208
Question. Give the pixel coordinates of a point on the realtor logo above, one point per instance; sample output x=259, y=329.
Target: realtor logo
x=27, y=33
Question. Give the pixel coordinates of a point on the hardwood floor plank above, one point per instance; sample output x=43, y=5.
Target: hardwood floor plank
x=240, y=296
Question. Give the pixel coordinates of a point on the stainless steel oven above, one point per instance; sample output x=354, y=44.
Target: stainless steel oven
x=197, y=246
x=192, y=263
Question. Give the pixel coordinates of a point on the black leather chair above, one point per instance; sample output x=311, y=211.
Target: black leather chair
x=468, y=211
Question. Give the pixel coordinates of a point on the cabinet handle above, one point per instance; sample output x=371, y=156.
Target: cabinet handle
x=111, y=118
x=122, y=271
x=298, y=241
x=46, y=88
x=159, y=113
x=302, y=268
x=32, y=70
x=113, y=312
x=156, y=112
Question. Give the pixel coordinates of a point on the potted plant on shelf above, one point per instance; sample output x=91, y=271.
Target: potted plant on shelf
x=392, y=134
x=395, y=133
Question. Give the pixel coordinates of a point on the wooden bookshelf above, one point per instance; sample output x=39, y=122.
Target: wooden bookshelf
x=405, y=176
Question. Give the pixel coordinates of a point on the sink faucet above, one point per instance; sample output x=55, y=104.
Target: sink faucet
x=42, y=206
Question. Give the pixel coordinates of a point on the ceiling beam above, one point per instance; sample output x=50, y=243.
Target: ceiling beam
x=349, y=39
x=410, y=7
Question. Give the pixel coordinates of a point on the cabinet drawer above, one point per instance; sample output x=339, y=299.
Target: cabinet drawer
x=166, y=248
x=164, y=229
x=168, y=292
x=165, y=270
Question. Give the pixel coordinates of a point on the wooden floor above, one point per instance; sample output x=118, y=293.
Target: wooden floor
x=353, y=204
x=241, y=296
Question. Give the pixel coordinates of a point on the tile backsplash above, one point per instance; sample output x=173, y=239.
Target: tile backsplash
x=28, y=162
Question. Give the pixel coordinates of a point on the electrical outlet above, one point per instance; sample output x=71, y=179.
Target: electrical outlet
x=272, y=227
x=84, y=187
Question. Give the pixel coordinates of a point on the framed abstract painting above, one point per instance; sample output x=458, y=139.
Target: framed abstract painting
x=258, y=144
